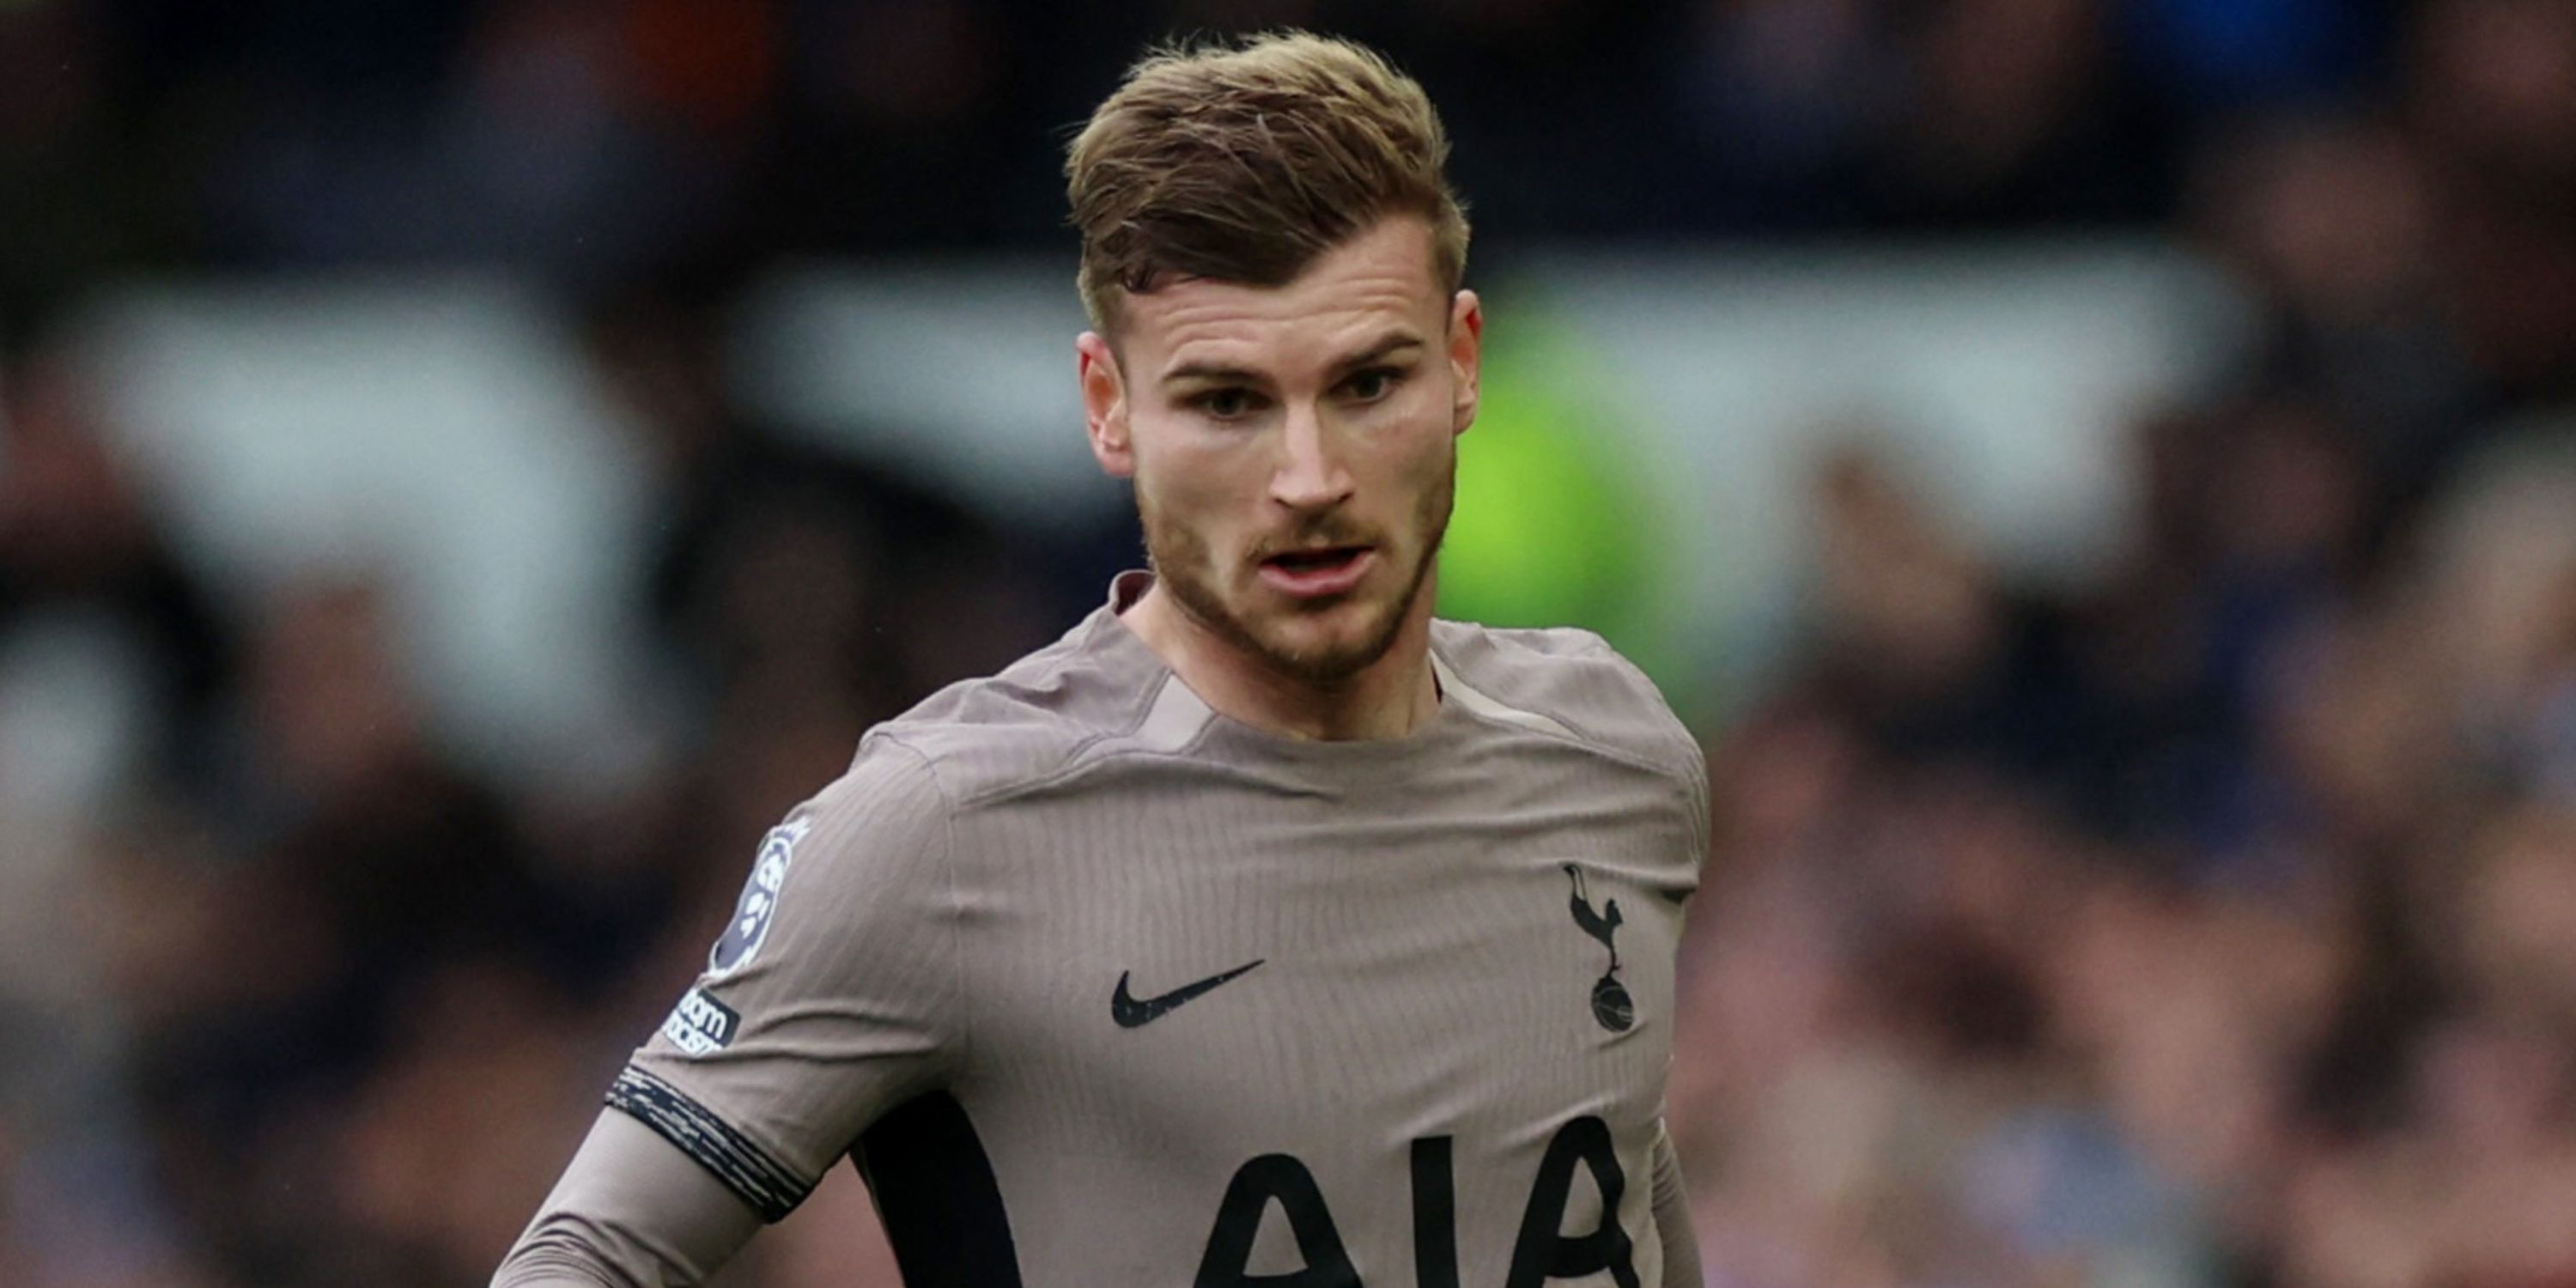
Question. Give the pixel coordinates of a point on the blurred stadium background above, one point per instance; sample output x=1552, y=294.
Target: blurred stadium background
x=2099, y=474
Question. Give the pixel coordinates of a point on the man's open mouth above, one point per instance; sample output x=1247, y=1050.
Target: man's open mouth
x=1319, y=560
x=1322, y=572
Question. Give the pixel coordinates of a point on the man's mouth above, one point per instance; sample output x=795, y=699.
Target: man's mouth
x=1317, y=572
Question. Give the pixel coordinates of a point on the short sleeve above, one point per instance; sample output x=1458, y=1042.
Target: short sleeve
x=829, y=998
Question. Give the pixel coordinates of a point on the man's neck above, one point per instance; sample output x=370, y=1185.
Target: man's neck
x=1388, y=698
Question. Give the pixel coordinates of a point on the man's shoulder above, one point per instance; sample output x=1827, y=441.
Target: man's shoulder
x=1028, y=720
x=1575, y=680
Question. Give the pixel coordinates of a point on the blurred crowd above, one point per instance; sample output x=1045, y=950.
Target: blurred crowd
x=2209, y=922
x=595, y=143
x=2213, y=921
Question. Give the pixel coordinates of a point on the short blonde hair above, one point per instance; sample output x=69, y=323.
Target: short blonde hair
x=1246, y=162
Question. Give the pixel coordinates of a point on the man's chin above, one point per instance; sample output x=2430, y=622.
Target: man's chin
x=1326, y=644
x=1311, y=640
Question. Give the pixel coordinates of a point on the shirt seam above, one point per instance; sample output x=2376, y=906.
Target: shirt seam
x=1691, y=773
x=1085, y=753
x=1089, y=754
x=955, y=904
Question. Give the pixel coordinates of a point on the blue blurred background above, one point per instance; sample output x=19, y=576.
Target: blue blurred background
x=2100, y=475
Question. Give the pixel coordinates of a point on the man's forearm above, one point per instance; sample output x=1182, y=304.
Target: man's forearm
x=631, y=1211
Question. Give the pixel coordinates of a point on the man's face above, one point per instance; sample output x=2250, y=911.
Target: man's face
x=1294, y=448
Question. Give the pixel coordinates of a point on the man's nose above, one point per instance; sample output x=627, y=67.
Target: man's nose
x=1310, y=474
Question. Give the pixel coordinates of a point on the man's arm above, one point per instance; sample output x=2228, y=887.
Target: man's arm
x=1672, y=1216
x=631, y=1211
x=830, y=998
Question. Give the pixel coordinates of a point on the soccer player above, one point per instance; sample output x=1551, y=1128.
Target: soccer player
x=1262, y=930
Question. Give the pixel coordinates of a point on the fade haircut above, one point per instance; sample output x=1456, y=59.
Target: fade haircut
x=1246, y=162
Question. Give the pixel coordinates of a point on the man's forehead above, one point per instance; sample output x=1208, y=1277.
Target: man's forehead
x=1352, y=294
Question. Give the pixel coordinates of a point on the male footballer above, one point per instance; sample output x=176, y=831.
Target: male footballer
x=1263, y=930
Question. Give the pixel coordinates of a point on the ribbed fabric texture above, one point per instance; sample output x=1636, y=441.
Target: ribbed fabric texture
x=961, y=912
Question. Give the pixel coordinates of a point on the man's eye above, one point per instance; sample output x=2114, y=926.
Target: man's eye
x=1228, y=404
x=1373, y=384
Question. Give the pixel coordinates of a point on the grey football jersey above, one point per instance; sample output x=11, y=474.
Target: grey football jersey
x=1105, y=988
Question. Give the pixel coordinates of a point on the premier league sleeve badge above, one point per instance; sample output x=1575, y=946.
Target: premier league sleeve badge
x=757, y=910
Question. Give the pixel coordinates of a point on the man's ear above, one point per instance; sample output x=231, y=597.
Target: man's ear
x=1466, y=352
x=1104, y=405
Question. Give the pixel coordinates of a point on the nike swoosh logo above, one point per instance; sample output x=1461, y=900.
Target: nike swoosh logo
x=1131, y=1013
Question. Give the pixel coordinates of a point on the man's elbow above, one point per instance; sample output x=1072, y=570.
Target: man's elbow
x=557, y=1254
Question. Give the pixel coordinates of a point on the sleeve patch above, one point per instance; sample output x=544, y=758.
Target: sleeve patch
x=745, y=1168
x=700, y=1024
x=757, y=910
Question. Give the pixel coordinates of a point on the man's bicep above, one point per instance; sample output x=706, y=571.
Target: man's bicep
x=632, y=1210
x=829, y=998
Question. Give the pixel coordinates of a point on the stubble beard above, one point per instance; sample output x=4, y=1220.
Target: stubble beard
x=1182, y=565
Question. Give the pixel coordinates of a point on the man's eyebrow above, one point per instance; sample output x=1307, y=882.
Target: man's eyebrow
x=1219, y=373
x=1212, y=373
x=1395, y=343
